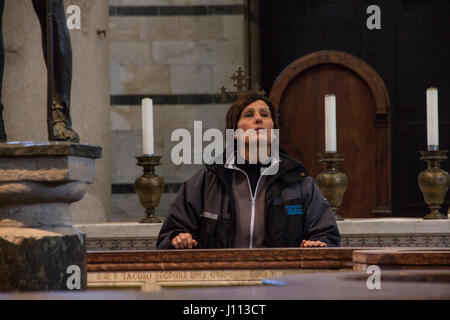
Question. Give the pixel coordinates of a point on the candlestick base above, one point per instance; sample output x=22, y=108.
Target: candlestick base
x=149, y=187
x=332, y=182
x=150, y=218
x=434, y=182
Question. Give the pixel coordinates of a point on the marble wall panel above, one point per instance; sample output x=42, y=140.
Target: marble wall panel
x=201, y=27
x=198, y=52
x=194, y=79
x=158, y=28
x=127, y=29
x=130, y=52
x=145, y=79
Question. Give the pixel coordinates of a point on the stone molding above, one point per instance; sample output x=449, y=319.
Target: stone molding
x=396, y=240
x=106, y=244
x=399, y=240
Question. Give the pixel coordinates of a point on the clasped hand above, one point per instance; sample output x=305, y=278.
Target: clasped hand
x=309, y=243
x=184, y=241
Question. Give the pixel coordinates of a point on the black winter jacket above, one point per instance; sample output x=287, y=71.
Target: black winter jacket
x=295, y=209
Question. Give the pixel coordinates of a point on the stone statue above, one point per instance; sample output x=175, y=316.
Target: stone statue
x=57, y=51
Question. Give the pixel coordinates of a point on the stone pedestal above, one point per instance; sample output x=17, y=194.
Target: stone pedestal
x=25, y=90
x=39, y=248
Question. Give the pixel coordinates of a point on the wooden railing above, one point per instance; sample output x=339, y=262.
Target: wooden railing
x=164, y=260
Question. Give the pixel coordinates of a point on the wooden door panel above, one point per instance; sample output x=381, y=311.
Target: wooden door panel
x=302, y=132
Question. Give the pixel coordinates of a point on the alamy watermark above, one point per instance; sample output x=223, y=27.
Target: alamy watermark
x=260, y=145
x=74, y=280
x=374, y=280
x=374, y=20
x=73, y=17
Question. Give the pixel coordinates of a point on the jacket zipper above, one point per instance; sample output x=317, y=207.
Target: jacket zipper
x=230, y=194
x=253, y=197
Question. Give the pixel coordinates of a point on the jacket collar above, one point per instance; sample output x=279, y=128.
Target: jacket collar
x=286, y=163
x=230, y=163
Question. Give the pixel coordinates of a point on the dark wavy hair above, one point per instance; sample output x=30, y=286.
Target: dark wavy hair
x=235, y=111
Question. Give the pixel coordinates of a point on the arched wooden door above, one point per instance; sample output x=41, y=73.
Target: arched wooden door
x=363, y=130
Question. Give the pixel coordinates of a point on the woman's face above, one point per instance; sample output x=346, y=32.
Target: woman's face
x=256, y=116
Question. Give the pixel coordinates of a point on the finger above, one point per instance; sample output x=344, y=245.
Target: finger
x=302, y=244
x=323, y=244
x=189, y=243
x=314, y=243
x=310, y=244
x=180, y=243
x=185, y=242
x=319, y=244
x=175, y=241
x=192, y=242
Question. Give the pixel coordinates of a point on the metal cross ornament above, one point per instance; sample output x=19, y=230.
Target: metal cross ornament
x=240, y=82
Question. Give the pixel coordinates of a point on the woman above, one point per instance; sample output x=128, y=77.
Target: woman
x=232, y=205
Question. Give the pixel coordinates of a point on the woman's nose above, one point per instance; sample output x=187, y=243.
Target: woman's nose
x=258, y=119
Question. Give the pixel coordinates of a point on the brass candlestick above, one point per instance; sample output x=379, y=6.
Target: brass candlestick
x=434, y=182
x=332, y=182
x=149, y=187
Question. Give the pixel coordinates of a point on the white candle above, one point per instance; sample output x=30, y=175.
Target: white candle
x=147, y=126
x=432, y=119
x=330, y=123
